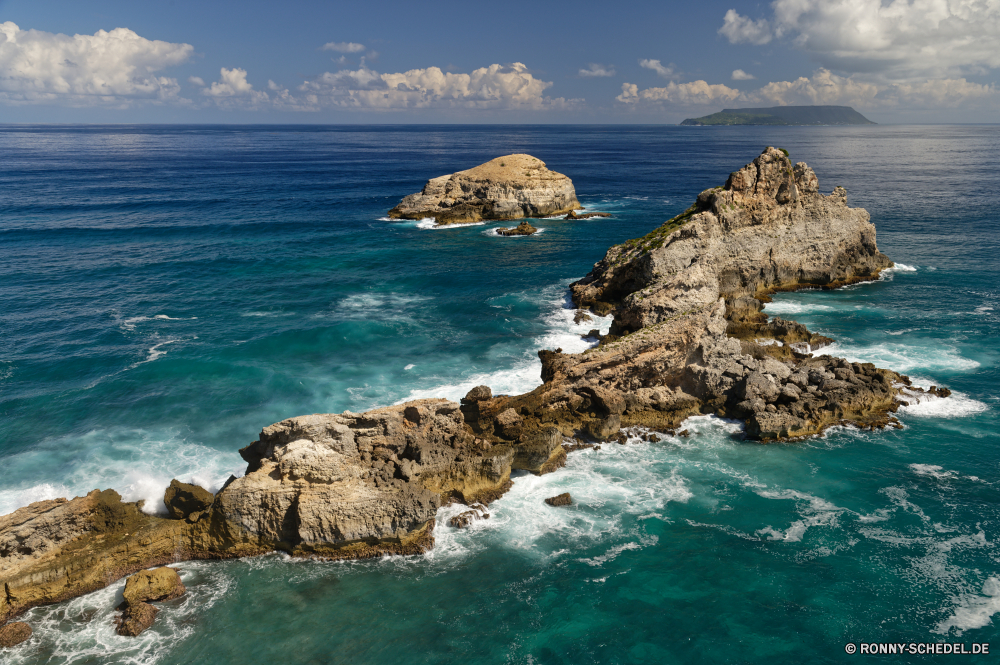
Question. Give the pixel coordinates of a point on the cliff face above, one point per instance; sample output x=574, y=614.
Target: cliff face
x=689, y=337
x=510, y=187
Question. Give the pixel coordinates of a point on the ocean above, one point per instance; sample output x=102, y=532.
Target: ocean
x=168, y=291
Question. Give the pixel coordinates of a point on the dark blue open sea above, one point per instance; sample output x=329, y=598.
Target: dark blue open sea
x=167, y=291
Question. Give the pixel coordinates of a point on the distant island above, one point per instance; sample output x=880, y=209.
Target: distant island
x=784, y=115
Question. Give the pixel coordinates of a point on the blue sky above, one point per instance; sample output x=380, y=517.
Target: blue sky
x=313, y=62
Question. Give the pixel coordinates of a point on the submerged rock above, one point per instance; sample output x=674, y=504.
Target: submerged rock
x=509, y=187
x=522, y=229
x=14, y=633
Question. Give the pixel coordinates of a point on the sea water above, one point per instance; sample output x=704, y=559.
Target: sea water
x=166, y=292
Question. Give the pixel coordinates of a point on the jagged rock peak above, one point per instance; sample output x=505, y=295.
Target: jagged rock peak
x=508, y=187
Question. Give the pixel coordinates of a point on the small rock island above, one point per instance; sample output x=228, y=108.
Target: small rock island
x=784, y=115
x=505, y=188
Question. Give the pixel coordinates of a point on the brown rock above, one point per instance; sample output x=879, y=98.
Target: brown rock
x=14, y=633
x=522, y=229
x=183, y=499
x=581, y=316
x=156, y=584
x=509, y=187
x=135, y=618
x=563, y=499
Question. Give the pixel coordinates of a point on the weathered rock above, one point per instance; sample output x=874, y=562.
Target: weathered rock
x=135, y=618
x=14, y=633
x=156, y=584
x=464, y=519
x=184, y=500
x=585, y=215
x=509, y=187
x=522, y=229
x=581, y=316
x=563, y=499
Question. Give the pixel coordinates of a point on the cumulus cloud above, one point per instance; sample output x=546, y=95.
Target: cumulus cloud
x=740, y=75
x=232, y=90
x=598, y=70
x=823, y=88
x=108, y=68
x=897, y=39
x=196, y=80
x=680, y=94
x=667, y=72
x=493, y=87
x=343, y=47
x=741, y=29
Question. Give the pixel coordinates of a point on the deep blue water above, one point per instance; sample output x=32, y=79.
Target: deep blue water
x=166, y=292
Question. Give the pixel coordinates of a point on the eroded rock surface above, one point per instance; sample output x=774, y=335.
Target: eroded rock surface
x=522, y=229
x=14, y=633
x=509, y=187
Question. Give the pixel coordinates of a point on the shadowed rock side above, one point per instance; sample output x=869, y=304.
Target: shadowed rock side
x=689, y=337
x=510, y=187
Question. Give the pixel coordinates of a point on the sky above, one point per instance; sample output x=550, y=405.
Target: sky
x=299, y=61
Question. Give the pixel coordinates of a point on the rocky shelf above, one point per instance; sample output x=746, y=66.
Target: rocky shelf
x=689, y=337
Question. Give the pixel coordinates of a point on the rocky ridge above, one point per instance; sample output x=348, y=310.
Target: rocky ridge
x=509, y=187
x=689, y=337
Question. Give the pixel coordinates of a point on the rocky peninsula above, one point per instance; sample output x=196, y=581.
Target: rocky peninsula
x=505, y=188
x=689, y=337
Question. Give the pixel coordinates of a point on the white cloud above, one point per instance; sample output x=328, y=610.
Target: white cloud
x=823, y=88
x=598, y=70
x=232, y=90
x=896, y=39
x=197, y=80
x=668, y=72
x=741, y=29
x=343, y=47
x=493, y=87
x=740, y=75
x=680, y=94
x=111, y=68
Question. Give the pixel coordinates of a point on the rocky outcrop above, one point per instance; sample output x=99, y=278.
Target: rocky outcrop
x=187, y=502
x=563, y=499
x=141, y=589
x=14, y=633
x=573, y=215
x=689, y=337
x=509, y=187
x=522, y=229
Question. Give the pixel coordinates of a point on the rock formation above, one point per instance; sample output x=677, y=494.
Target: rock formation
x=522, y=229
x=689, y=337
x=572, y=214
x=563, y=499
x=14, y=633
x=141, y=589
x=510, y=187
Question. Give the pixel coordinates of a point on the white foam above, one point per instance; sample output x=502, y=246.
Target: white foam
x=139, y=464
x=901, y=267
x=493, y=233
x=974, y=611
x=267, y=314
x=933, y=471
x=526, y=374
x=814, y=510
x=410, y=366
x=792, y=307
x=983, y=309
x=430, y=224
x=83, y=630
x=956, y=405
x=905, y=358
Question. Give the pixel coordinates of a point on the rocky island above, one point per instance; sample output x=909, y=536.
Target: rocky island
x=505, y=188
x=784, y=115
x=689, y=337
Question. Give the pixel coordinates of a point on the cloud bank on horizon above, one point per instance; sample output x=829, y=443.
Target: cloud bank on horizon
x=907, y=54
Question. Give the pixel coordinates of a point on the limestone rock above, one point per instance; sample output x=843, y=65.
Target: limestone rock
x=563, y=499
x=509, y=187
x=522, y=229
x=158, y=584
x=184, y=500
x=585, y=215
x=14, y=633
x=135, y=618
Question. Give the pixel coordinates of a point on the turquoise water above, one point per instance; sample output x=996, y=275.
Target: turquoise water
x=165, y=292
